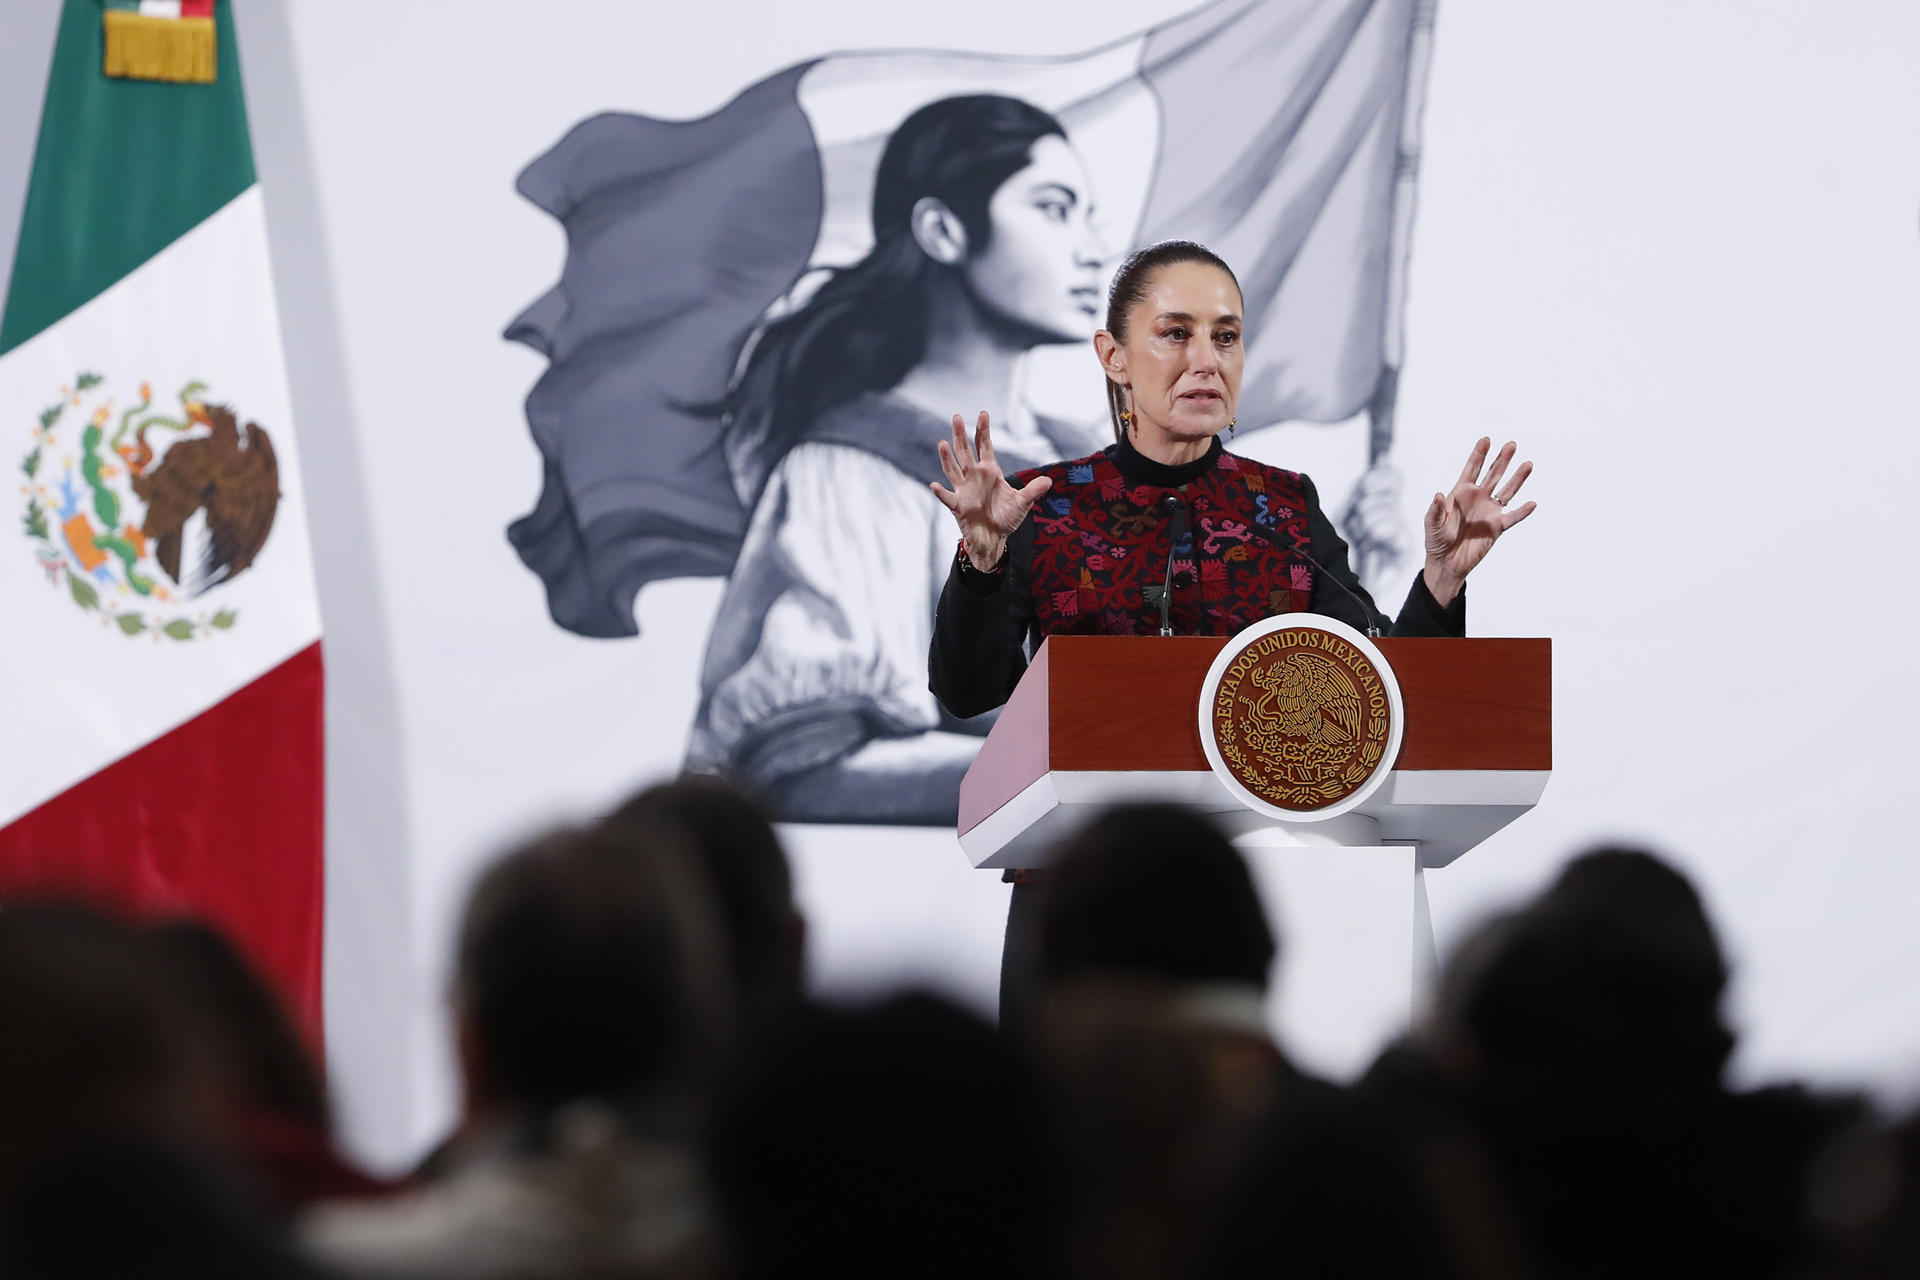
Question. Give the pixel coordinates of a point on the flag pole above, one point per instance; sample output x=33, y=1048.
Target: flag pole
x=1375, y=560
x=1386, y=393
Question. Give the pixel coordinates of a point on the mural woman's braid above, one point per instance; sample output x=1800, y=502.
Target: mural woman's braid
x=1129, y=290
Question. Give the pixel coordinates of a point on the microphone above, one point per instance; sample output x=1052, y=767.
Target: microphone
x=1374, y=629
x=1173, y=506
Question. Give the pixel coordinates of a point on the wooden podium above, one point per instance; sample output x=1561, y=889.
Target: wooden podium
x=1102, y=719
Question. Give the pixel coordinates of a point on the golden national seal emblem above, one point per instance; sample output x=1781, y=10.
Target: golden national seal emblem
x=1300, y=717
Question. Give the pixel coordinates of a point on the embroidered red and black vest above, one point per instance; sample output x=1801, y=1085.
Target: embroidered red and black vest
x=1100, y=548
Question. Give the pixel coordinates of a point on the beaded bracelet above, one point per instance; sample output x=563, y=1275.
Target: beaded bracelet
x=966, y=565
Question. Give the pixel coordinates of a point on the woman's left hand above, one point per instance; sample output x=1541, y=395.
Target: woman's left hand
x=1463, y=525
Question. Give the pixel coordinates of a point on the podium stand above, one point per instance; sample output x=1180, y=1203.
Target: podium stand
x=1099, y=720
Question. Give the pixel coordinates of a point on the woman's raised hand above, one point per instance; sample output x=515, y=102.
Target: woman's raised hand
x=987, y=508
x=1464, y=523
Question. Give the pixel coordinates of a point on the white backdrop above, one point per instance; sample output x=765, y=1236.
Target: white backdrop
x=1670, y=245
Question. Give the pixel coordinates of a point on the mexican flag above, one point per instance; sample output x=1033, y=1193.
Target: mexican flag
x=161, y=741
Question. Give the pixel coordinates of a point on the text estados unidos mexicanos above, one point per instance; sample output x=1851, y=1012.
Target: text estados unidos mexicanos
x=1266, y=646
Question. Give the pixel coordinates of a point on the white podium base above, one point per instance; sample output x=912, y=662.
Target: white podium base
x=1356, y=946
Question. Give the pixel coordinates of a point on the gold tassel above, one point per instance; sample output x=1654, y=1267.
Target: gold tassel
x=147, y=48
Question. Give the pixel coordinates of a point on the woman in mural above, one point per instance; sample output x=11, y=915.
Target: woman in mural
x=814, y=684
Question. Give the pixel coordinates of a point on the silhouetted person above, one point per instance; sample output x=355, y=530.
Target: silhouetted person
x=272, y=1097
x=900, y=1139
x=259, y=1047
x=729, y=835
x=1156, y=896
x=590, y=1001
x=1152, y=955
x=110, y=1131
x=1588, y=1026
x=1613, y=978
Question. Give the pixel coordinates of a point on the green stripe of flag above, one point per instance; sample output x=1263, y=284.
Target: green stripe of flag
x=122, y=169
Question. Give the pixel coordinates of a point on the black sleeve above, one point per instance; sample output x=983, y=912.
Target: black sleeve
x=1421, y=615
x=980, y=632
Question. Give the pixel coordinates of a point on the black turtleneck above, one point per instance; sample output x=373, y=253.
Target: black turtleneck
x=1138, y=468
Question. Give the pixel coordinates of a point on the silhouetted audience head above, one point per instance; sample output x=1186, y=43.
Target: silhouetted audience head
x=1156, y=892
x=586, y=971
x=1612, y=977
x=242, y=1021
x=110, y=1131
x=90, y=1043
x=897, y=1139
x=270, y=1091
x=746, y=870
x=1594, y=1051
x=592, y=1004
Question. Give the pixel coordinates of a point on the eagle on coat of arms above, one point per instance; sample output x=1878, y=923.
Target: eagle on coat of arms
x=1307, y=698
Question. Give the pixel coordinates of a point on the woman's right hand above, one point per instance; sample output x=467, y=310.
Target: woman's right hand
x=987, y=508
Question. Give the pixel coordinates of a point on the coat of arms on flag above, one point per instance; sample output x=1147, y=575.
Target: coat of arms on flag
x=139, y=514
x=744, y=331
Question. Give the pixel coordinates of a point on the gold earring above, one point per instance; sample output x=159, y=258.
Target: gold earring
x=1126, y=421
x=1230, y=422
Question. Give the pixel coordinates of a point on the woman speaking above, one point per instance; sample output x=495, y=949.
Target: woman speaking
x=1164, y=531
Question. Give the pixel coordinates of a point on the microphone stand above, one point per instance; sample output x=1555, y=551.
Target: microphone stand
x=1372, y=615
x=1173, y=506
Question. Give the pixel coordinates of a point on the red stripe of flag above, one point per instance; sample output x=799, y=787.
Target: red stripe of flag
x=220, y=819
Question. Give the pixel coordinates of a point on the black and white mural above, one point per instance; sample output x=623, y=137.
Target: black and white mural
x=767, y=316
